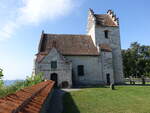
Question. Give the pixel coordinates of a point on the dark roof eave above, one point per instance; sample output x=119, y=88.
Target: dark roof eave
x=106, y=26
x=80, y=54
x=105, y=50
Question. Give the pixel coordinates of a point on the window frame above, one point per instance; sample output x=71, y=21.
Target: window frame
x=80, y=70
x=106, y=34
x=53, y=64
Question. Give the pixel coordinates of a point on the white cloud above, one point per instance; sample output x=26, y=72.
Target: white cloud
x=7, y=30
x=34, y=12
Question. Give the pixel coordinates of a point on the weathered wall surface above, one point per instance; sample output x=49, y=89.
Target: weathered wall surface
x=98, y=36
x=114, y=42
x=91, y=26
x=63, y=70
x=92, y=69
x=107, y=65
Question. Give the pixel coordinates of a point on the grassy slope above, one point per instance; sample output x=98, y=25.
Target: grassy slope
x=125, y=99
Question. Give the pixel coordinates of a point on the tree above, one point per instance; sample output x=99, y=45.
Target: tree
x=136, y=60
x=1, y=73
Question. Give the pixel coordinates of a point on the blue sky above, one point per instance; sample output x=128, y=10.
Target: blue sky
x=22, y=22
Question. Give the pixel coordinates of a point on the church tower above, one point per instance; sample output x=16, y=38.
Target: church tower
x=104, y=30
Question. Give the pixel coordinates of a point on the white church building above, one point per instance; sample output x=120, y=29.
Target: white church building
x=93, y=58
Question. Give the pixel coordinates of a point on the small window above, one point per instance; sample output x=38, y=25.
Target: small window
x=106, y=33
x=80, y=70
x=54, y=64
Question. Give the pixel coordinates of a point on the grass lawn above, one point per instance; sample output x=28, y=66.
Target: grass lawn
x=125, y=99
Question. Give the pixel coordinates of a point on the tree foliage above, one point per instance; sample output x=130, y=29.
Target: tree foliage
x=1, y=73
x=32, y=80
x=136, y=60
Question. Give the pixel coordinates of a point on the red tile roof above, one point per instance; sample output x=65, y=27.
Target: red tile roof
x=40, y=56
x=105, y=47
x=105, y=20
x=27, y=100
x=69, y=44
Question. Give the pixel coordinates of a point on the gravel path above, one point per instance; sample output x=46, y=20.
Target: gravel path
x=69, y=90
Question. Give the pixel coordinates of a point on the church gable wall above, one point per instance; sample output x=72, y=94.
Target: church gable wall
x=63, y=70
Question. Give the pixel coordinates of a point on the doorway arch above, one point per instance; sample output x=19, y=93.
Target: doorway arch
x=54, y=77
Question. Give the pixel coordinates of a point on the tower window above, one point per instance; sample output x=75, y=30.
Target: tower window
x=106, y=33
x=53, y=64
x=80, y=70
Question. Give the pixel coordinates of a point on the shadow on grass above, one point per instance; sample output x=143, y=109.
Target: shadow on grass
x=69, y=106
x=63, y=102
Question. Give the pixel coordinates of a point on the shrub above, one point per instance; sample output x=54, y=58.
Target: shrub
x=1, y=76
x=34, y=79
x=1, y=73
x=1, y=83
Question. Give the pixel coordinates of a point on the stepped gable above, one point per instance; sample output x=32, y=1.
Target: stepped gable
x=68, y=44
x=106, y=20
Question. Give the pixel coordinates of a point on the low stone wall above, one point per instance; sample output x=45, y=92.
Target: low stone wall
x=27, y=100
x=136, y=80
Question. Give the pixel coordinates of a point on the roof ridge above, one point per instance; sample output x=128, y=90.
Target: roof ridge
x=68, y=34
